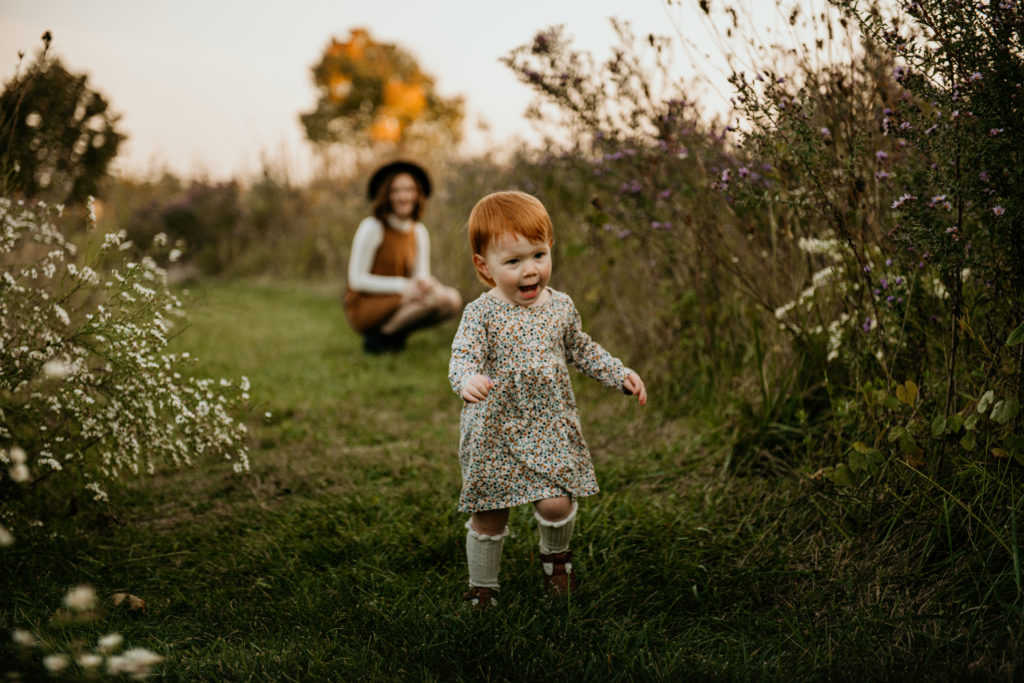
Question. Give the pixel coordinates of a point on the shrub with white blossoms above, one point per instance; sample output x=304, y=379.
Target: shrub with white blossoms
x=88, y=387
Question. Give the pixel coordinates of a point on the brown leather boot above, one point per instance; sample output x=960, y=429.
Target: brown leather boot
x=561, y=580
x=480, y=598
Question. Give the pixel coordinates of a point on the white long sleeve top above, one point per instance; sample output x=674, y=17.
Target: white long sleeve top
x=369, y=236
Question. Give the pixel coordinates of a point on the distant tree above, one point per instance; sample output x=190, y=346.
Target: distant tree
x=374, y=95
x=57, y=135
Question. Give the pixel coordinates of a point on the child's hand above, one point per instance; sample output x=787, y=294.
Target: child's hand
x=635, y=386
x=476, y=388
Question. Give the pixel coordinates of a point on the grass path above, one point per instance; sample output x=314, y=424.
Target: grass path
x=340, y=556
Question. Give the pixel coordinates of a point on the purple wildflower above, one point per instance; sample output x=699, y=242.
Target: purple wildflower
x=998, y=210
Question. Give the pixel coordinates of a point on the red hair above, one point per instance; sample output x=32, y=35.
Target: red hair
x=508, y=213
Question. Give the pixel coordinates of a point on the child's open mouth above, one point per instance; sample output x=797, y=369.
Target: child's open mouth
x=529, y=291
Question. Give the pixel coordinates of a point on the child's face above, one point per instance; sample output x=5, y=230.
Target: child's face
x=519, y=267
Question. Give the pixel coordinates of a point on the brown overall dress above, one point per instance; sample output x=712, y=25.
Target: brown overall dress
x=395, y=256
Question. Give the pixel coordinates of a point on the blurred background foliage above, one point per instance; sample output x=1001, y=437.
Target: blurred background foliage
x=57, y=135
x=373, y=97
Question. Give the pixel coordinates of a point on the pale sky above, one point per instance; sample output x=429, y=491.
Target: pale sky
x=210, y=86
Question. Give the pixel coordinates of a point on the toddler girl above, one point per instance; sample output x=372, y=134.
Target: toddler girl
x=520, y=438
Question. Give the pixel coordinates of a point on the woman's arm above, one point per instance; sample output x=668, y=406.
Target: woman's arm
x=422, y=267
x=368, y=237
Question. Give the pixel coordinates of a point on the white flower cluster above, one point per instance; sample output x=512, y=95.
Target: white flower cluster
x=829, y=300
x=87, y=378
x=136, y=663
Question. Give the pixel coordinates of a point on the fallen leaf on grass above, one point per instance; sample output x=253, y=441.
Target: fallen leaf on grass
x=133, y=602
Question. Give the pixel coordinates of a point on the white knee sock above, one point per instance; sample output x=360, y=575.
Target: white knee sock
x=555, y=536
x=483, y=553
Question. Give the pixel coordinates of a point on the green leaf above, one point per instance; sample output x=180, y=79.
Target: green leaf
x=840, y=476
x=938, y=425
x=907, y=393
x=986, y=400
x=857, y=462
x=971, y=421
x=1016, y=337
x=955, y=422
x=875, y=460
x=1004, y=411
x=860, y=447
x=968, y=441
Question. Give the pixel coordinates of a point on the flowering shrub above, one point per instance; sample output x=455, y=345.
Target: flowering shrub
x=88, y=389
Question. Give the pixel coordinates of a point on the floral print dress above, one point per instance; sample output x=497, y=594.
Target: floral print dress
x=524, y=442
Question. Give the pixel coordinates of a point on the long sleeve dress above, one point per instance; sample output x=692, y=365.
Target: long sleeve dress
x=524, y=442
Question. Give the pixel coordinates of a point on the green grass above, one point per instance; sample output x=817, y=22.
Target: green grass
x=340, y=556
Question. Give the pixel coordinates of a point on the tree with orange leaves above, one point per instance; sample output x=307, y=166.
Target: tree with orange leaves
x=375, y=95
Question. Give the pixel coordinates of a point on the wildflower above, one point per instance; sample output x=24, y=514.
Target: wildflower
x=983, y=176
x=995, y=131
x=725, y=176
x=744, y=172
x=88, y=660
x=825, y=132
x=24, y=638
x=62, y=315
x=18, y=456
x=868, y=325
x=882, y=175
x=80, y=598
x=976, y=76
x=6, y=537
x=109, y=642
x=55, y=368
x=56, y=662
x=998, y=210
x=174, y=255
x=783, y=310
x=135, y=662
x=19, y=473
x=881, y=155
x=664, y=194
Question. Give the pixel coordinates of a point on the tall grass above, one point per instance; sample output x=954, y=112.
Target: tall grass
x=340, y=555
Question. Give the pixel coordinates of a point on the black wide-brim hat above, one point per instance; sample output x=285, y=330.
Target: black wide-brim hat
x=381, y=175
